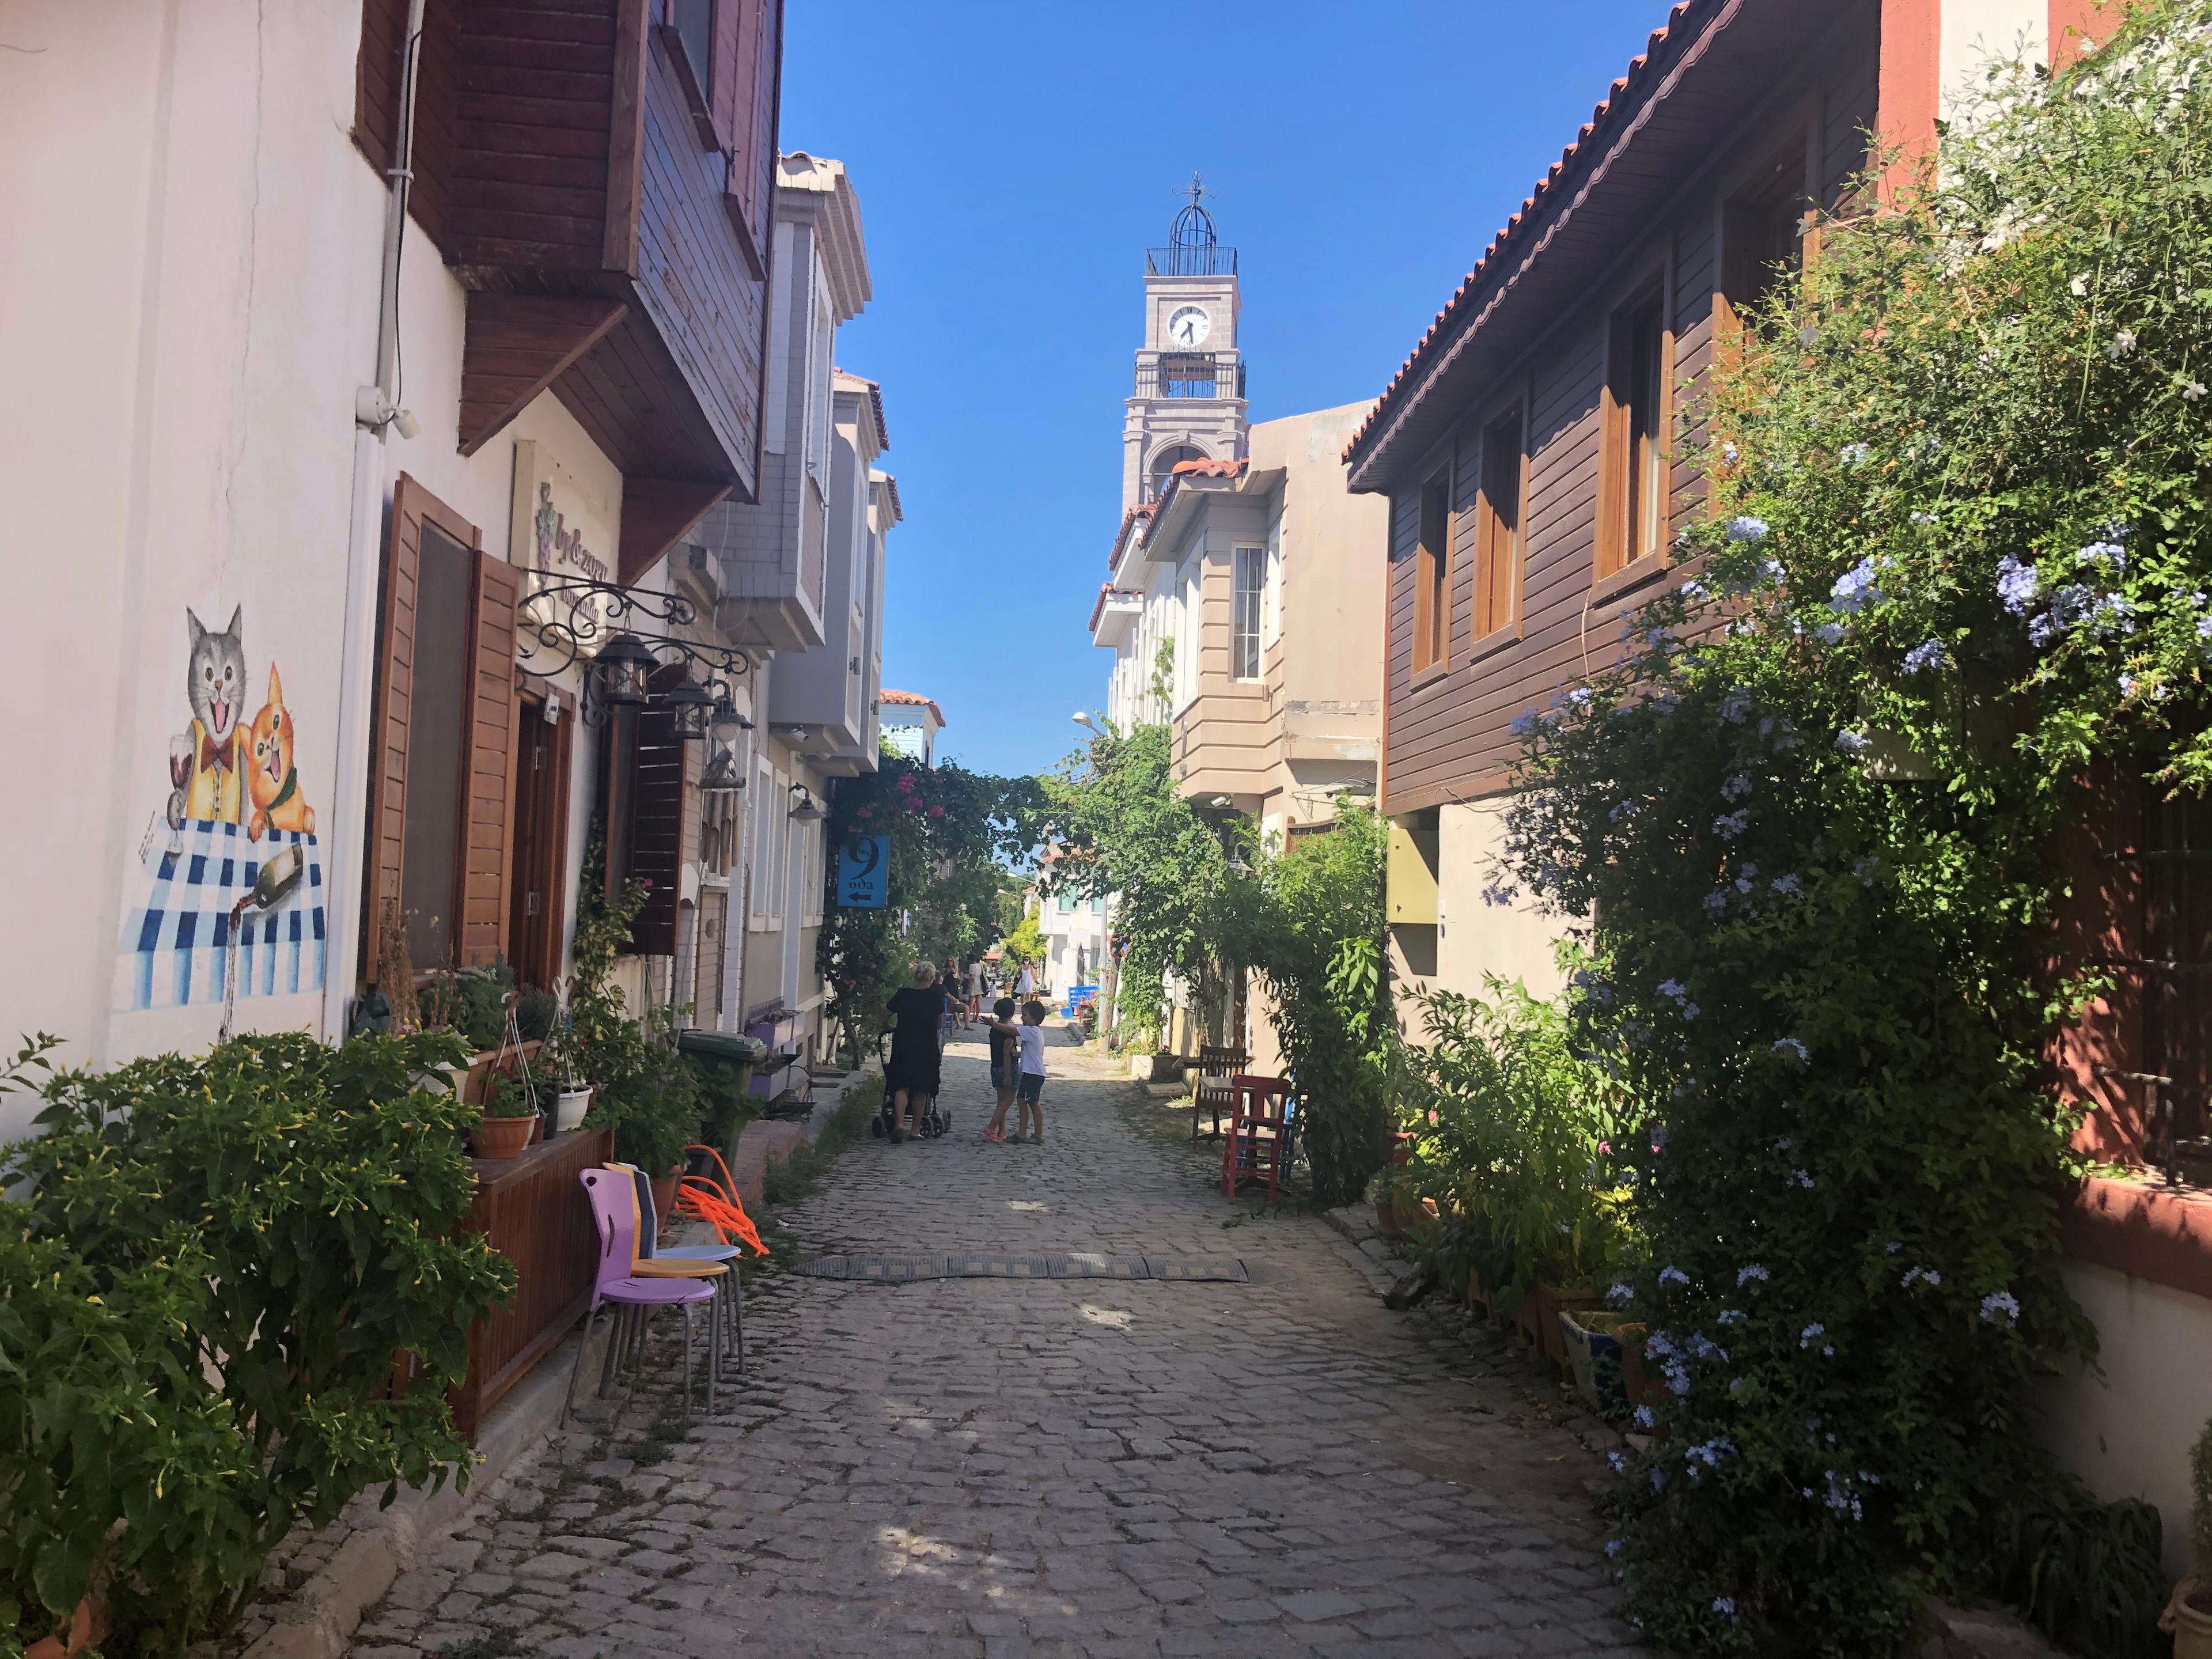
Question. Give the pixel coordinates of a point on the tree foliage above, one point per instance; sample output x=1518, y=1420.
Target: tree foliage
x=950, y=834
x=1809, y=828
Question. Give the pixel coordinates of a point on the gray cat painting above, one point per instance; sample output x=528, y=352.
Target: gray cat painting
x=206, y=764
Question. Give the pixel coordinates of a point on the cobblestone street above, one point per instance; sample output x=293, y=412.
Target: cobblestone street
x=994, y=1467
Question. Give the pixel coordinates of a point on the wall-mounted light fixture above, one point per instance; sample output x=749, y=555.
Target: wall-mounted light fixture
x=803, y=809
x=621, y=677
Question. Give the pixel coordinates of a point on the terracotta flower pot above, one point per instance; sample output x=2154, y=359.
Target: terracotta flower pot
x=2188, y=1619
x=87, y=1629
x=504, y=1137
x=664, y=1193
x=1387, y=1222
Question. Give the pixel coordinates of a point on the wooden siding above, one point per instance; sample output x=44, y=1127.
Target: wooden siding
x=556, y=156
x=1448, y=737
x=707, y=308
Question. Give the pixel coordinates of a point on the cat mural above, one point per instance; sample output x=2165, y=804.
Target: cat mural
x=199, y=932
x=204, y=764
x=272, y=779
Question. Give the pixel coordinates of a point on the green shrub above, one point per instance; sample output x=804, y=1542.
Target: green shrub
x=1513, y=1139
x=647, y=1093
x=265, y=1228
x=2085, y=1572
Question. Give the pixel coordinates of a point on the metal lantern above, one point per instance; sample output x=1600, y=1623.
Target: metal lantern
x=622, y=673
x=803, y=809
x=693, y=706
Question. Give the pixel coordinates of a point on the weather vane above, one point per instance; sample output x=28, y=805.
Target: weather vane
x=1196, y=190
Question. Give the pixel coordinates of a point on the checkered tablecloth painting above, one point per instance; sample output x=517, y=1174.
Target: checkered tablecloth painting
x=173, y=946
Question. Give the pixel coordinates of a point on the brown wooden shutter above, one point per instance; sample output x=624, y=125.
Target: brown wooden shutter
x=393, y=713
x=660, y=781
x=724, y=100
x=487, y=761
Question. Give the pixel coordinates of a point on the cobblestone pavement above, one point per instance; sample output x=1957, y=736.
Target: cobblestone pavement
x=1002, y=1468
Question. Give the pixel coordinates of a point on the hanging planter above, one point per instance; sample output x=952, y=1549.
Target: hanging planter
x=569, y=1108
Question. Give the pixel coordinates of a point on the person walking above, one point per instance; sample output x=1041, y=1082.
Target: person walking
x=912, y=1075
x=1025, y=981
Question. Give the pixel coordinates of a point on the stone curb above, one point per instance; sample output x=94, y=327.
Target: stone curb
x=318, y=1620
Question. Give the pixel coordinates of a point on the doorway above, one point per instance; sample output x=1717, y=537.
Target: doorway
x=537, y=912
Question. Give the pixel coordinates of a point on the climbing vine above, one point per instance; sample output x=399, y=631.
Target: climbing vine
x=1806, y=832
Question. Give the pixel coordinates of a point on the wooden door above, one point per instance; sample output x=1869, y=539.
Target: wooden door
x=538, y=889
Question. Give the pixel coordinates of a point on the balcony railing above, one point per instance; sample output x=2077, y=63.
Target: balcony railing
x=1192, y=374
x=1203, y=259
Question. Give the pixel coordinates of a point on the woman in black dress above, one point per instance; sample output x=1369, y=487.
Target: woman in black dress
x=912, y=1075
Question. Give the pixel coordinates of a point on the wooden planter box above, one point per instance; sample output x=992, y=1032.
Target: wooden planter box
x=533, y=1211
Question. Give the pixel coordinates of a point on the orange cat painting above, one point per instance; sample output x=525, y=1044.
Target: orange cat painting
x=272, y=777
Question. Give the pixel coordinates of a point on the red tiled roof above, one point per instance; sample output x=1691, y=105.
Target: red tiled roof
x=1206, y=467
x=875, y=397
x=1142, y=510
x=1615, y=108
x=910, y=700
x=1106, y=591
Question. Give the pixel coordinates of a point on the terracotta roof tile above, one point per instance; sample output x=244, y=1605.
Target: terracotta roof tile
x=910, y=700
x=875, y=397
x=1508, y=238
x=1142, y=510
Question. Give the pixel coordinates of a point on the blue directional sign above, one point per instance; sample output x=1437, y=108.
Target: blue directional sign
x=864, y=871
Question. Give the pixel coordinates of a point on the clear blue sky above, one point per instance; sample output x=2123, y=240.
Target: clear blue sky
x=1012, y=163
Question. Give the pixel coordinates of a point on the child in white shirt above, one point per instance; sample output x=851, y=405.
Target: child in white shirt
x=1031, y=1085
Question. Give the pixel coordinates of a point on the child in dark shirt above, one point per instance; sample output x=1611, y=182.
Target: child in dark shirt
x=1006, y=1064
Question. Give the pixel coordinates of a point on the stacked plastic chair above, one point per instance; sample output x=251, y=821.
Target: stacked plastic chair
x=614, y=1209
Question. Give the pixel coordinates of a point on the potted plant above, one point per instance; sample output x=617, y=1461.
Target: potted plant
x=2188, y=1616
x=510, y=1120
x=572, y=1096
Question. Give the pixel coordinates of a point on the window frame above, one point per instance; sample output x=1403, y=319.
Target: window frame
x=1432, y=570
x=1638, y=411
x=1245, y=556
x=1496, y=599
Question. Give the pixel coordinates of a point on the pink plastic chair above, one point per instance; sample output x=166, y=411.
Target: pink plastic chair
x=612, y=1209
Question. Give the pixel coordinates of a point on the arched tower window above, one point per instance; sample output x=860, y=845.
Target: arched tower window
x=1165, y=463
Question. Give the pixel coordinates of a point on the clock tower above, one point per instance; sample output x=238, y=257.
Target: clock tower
x=1189, y=400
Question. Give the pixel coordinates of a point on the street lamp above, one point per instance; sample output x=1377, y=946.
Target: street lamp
x=1084, y=719
x=803, y=809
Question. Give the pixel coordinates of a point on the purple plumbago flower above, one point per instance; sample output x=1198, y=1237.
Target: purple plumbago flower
x=1853, y=742
x=1785, y=886
x=1854, y=589
x=1829, y=632
x=1621, y=1294
x=1927, y=1276
x=1642, y=1416
x=1744, y=1275
x=1730, y=1317
x=1745, y=528
x=1735, y=786
x=2017, y=584
x=1735, y=707
x=1673, y=1276
x=2001, y=1305
x=1729, y=825
x=1852, y=454
x=1522, y=723
x=1805, y=1337
x=1791, y=1049
x=1724, y=1606
x=1716, y=901
x=1929, y=654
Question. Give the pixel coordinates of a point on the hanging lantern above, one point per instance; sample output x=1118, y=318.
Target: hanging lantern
x=693, y=706
x=622, y=673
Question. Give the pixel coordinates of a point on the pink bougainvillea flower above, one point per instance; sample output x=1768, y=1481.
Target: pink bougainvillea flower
x=937, y=811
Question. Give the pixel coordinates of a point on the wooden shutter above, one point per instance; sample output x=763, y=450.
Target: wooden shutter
x=487, y=761
x=394, y=711
x=660, y=789
x=753, y=91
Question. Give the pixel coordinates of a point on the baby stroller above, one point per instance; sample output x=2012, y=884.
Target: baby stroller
x=935, y=1119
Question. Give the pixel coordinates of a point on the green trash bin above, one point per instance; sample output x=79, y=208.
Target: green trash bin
x=729, y=1057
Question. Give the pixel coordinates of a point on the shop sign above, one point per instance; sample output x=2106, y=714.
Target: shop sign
x=561, y=531
x=864, y=873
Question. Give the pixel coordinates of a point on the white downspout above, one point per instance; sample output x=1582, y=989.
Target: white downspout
x=374, y=415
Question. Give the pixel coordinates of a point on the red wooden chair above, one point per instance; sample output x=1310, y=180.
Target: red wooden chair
x=1258, y=1135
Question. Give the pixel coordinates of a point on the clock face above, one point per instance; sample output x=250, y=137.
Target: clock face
x=1189, y=325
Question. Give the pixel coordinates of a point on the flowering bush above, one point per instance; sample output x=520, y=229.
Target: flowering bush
x=1960, y=554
